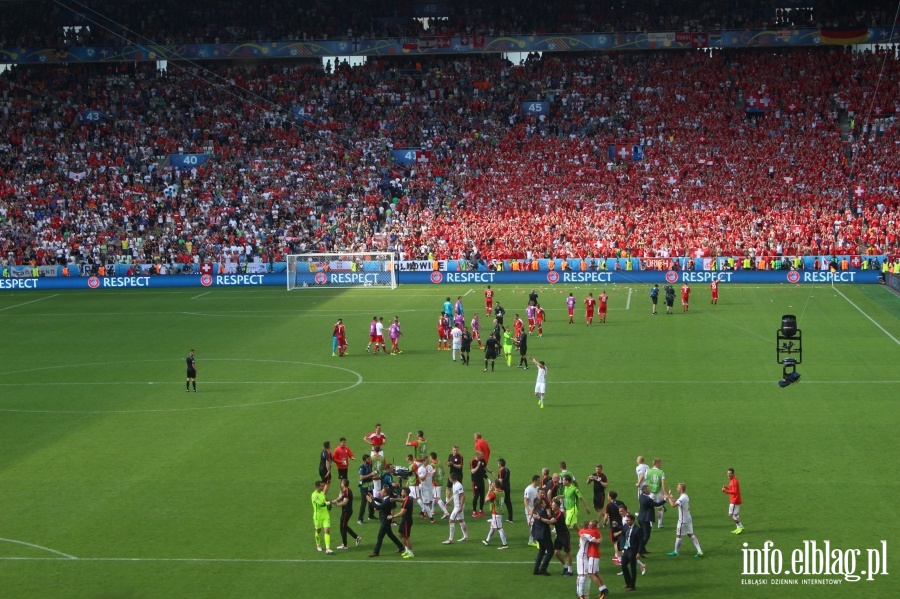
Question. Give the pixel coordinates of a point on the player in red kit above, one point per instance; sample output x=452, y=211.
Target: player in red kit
x=601, y=307
x=714, y=291
x=539, y=319
x=685, y=297
x=589, y=303
x=341, y=333
x=733, y=490
x=443, y=329
x=518, y=325
x=488, y=301
x=529, y=313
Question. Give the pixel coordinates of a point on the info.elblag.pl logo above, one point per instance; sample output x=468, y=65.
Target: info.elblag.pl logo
x=815, y=562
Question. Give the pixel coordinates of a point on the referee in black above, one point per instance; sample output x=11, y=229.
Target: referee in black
x=191, y=372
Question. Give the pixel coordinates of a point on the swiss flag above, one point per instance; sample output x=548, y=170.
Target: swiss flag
x=791, y=106
x=206, y=268
x=859, y=191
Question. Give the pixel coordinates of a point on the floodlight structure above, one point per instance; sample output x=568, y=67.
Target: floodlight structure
x=789, y=349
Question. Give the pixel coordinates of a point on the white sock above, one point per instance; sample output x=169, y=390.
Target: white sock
x=462, y=527
x=579, y=585
x=502, y=536
x=452, y=529
x=697, y=544
x=677, y=544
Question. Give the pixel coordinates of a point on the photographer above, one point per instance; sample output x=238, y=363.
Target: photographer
x=670, y=298
x=388, y=482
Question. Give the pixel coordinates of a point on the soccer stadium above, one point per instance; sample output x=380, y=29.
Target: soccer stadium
x=518, y=243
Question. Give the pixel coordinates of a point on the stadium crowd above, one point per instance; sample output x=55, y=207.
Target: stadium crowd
x=815, y=173
x=58, y=24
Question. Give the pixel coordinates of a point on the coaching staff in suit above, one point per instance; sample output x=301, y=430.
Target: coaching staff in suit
x=646, y=515
x=630, y=544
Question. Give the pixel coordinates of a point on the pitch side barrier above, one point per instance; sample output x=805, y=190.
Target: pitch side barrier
x=438, y=277
x=662, y=277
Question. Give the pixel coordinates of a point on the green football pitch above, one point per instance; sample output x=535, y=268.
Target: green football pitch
x=116, y=483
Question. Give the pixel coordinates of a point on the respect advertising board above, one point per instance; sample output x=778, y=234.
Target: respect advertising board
x=443, y=277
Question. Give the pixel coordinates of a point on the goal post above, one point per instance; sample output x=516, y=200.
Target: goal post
x=348, y=269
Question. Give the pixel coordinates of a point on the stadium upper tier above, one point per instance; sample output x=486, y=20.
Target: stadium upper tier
x=652, y=154
x=108, y=22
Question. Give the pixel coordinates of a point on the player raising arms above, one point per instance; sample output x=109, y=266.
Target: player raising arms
x=589, y=303
x=570, y=305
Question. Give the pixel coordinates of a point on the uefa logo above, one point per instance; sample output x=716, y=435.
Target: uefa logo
x=553, y=277
x=436, y=277
x=206, y=280
x=93, y=282
x=671, y=276
x=321, y=278
x=793, y=277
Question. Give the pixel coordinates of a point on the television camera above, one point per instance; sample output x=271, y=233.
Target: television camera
x=789, y=350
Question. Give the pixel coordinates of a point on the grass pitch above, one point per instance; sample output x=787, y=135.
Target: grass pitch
x=115, y=483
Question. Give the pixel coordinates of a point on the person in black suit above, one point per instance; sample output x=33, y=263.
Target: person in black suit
x=630, y=544
x=540, y=532
x=647, y=514
x=385, y=505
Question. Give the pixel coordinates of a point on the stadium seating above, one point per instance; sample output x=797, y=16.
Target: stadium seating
x=744, y=153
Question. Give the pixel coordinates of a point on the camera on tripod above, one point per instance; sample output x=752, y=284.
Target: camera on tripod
x=789, y=349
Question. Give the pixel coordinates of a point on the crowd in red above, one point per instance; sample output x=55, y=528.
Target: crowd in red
x=817, y=174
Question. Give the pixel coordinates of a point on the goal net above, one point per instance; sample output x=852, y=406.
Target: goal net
x=362, y=269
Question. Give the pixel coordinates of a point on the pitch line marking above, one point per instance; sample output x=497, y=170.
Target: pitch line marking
x=31, y=302
x=201, y=295
x=604, y=382
x=42, y=548
x=359, y=381
x=872, y=320
x=237, y=560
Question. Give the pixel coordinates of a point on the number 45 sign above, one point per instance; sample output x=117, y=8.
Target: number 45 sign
x=535, y=108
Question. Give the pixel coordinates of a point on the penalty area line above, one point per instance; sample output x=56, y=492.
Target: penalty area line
x=872, y=320
x=31, y=302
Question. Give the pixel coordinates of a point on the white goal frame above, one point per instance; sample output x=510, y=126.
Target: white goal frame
x=342, y=270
